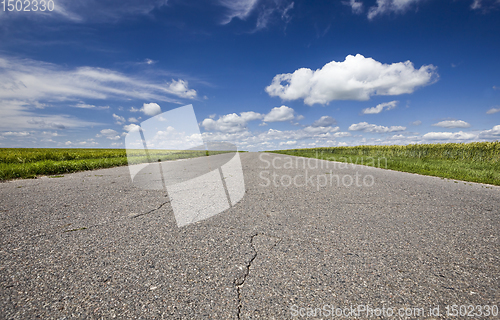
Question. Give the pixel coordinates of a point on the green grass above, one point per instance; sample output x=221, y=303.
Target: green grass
x=474, y=162
x=30, y=163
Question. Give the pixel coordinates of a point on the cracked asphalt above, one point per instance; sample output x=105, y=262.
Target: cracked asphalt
x=92, y=245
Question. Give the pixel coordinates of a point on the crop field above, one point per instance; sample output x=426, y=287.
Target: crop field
x=29, y=163
x=474, y=162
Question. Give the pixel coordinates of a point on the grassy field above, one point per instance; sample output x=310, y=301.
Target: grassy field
x=29, y=163
x=475, y=162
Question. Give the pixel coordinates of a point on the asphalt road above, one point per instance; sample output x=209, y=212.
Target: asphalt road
x=92, y=245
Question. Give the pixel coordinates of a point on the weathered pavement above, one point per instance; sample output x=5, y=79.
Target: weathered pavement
x=91, y=245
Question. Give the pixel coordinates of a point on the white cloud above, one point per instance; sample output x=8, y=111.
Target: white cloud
x=493, y=110
x=277, y=114
x=19, y=115
x=231, y=122
x=452, y=124
x=387, y=6
x=109, y=11
x=449, y=136
x=31, y=80
x=82, y=105
x=16, y=134
x=324, y=121
x=151, y=109
x=237, y=9
x=288, y=143
x=355, y=78
x=266, y=11
x=88, y=143
x=485, y=5
x=132, y=119
x=131, y=127
x=357, y=7
x=378, y=109
x=132, y=109
x=491, y=134
x=110, y=134
x=46, y=124
x=118, y=119
x=180, y=89
x=416, y=123
x=366, y=127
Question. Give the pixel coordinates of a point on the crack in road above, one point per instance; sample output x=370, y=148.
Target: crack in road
x=150, y=211
x=239, y=282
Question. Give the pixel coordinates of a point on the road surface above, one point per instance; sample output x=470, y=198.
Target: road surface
x=92, y=245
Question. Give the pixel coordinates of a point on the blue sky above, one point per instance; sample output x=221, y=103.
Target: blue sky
x=263, y=74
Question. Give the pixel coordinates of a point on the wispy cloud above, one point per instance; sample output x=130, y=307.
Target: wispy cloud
x=387, y=6
x=265, y=10
x=24, y=79
x=452, y=124
x=367, y=127
x=20, y=115
x=484, y=5
x=107, y=11
x=237, y=9
x=493, y=110
x=82, y=105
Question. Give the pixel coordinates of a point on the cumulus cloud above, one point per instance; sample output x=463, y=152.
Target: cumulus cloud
x=324, y=121
x=491, y=134
x=231, y=122
x=288, y=143
x=132, y=119
x=452, y=124
x=493, y=110
x=357, y=7
x=416, y=123
x=449, y=136
x=151, y=109
x=355, y=78
x=380, y=107
x=366, y=127
x=387, y=6
x=180, y=89
x=110, y=134
x=131, y=127
x=16, y=134
x=277, y=114
x=236, y=123
x=30, y=80
x=118, y=119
